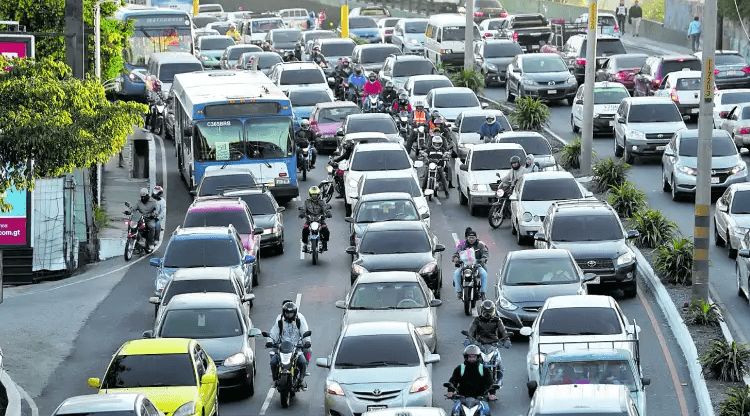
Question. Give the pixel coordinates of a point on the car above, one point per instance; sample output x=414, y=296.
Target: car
x=368, y=157
x=387, y=182
x=308, y=38
x=376, y=12
x=726, y=100
x=574, y=52
x=730, y=68
x=484, y=9
x=407, y=411
x=399, y=246
x=418, y=86
x=591, y=230
x=176, y=374
x=742, y=266
x=283, y=40
x=371, y=123
x=445, y=39
x=264, y=60
x=451, y=101
x=376, y=365
x=679, y=164
x=290, y=75
x=202, y=280
x=489, y=28
x=577, y=322
x=736, y=122
x=213, y=9
x=532, y=197
x=255, y=29
x=465, y=132
x=303, y=100
x=492, y=58
x=649, y=77
x=531, y=30
x=218, y=321
x=326, y=119
x=230, y=59
x=123, y=404
x=644, y=126
x=599, y=399
x=372, y=57
x=399, y=68
x=199, y=33
x=362, y=28
x=266, y=213
x=533, y=143
x=221, y=27
x=209, y=49
x=238, y=16
x=204, y=247
x=408, y=35
x=216, y=180
x=606, y=24
x=528, y=278
x=380, y=207
x=607, y=98
x=165, y=65
x=683, y=88
x=732, y=217
x=385, y=28
x=393, y=296
x=621, y=68
x=477, y=178
x=200, y=20
x=540, y=75
x=369, y=137
x=334, y=49
x=295, y=18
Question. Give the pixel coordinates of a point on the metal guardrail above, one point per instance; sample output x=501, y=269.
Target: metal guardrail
x=424, y=7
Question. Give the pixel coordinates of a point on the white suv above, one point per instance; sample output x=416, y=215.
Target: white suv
x=485, y=165
x=644, y=126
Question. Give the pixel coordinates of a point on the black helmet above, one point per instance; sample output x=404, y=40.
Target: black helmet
x=372, y=77
x=298, y=47
x=389, y=85
x=487, y=310
x=358, y=70
x=515, y=162
x=472, y=350
x=289, y=311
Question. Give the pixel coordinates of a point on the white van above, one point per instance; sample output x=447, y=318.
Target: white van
x=445, y=37
x=254, y=30
x=295, y=18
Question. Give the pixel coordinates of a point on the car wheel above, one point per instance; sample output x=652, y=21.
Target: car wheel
x=664, y=182
x=731, y=252
x=740, y=292
x=462, y=199
x=675, y=194
x=570, y=100
x=618, y=149
x=573, y=126
x=718, y=240
x=251, y=383
x=508, y=96
x=629, y=158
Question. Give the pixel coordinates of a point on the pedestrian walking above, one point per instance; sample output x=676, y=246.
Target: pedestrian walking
x=321, y=18
x=634, y=17
x=621, y=13
x=694, y=33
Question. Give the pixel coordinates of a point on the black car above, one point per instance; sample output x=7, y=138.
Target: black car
x=574, y=52
x=493, y=57
x=399, y=246
x=283, y=40
x=540, y=75
x=381, y=207
x=731, y=70
x=267, y=213
x=372, y=57
x=528, y=277
x=621, y=68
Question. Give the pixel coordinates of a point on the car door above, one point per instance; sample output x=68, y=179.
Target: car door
x=620, y=120
x=669, y=161
x=386, y=74
x=428, y=101
x=208, y=391
x=721, y=215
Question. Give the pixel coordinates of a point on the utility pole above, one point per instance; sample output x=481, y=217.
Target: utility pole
x=344, y=18
x=469, y=36
x=703, y=178
x=587, y=129
x=74, y=38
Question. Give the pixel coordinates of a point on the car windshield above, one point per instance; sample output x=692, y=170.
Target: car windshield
x=179, y=287
x=268, y=60
x=214, y=185
x=381, y=350
x=536, y=65
x=395, y=242
x=679, y=65
x=379, y=185
x=423, y=87
x=734, y=98
x=336, y=115
x=362, y=23
x=535, y=271
x=495, y=25
x=210, y=8
x=168, y=71
x=720, y=146
x=571, y=228
x=259, y=204
x=202, y=252
x=137, y=371
x=590, y=372
x=521, y=22
x=502, y=50
x=337, y=48
x=395, y=159
x=219, y=218
x=285, y=36
x=391, y=295
x=302, y=76
x=729, y=59
x=654, y=113
x=323, y=34
x=266, y=25
x=688, y=84
x=220, y=27
x=457, y=33
x=201, y=323
x=236, y=52
x=609, y=95
x=378, y=54
x=308, y=98
x=741, y=202
x=371, y=125
x=630, y=62
x=409, y=68
x=456, y=100
x=215, y=44
x=379, y=211
x=551, y=190
x=416, y=27
x=579, y=321
x=471, y=124
x=496, y=159
x=536, y=145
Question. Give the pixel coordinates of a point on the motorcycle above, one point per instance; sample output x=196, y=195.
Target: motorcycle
x=136, y=242
x=305, y=160
x=470, y=406
x=402, y=122
x=155, y=118
x=500, y=208
x=372, y=104
x=421, y=132
x=289, y=379
x=315, y=246
x=334, y=181
x=432, y=185
x=357, y=96
x=470, y=280
x=490, y=357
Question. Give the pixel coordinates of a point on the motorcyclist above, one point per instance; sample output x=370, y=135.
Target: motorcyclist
x=289, y=56
x=435, y=153
x=472, y=378
x=388, y=95
x=233, y=33
x=149, y=209
x=356, y=80
x=531, y=165
x=481, y=254
x=419, y=117
x=317, y=57
x=298, y=51
x=158, y=195
x=490, y=128
x=289, y=326
x=401, y=104
x=266, y=46
x=314, y=205
x=346, y=152
x=434, y=116
x=372, y=87
x=515, y=173
x=343, y=70
x=487, y=328
x=440, y=128
x=303, y=138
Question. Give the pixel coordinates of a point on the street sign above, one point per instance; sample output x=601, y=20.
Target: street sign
x=708, y=80
x=592, y=15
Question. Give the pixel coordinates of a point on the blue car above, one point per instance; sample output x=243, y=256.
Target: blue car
x=305, y=98
x=363, y=27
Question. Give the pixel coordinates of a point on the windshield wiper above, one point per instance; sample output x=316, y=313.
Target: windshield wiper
x=528, y=284
x=554, y=333
x=385, y=363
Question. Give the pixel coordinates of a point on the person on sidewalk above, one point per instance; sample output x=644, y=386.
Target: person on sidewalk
x=634, y=17
x=694, y=33
x=621, y=12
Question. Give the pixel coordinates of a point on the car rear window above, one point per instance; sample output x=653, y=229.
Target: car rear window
x=499, y=50
x=378, y=211
x=236, y=217
x=202, y=252
x=579, y=321
x=536, y=145
x=630, y=62
x=410, y=68
x=423, y=87
x=382, y=350
x=214, y=185
x=606, y=47
x=456, y=100
x=415, y=27
x=179, y=287
x=285, y=36
x=235, y=53
x=376, y=55
x=137, y=371
x=337, y=49
x=168, y=71
x=551, y=190
x=473, y=123
x=201, y=323
x=573, y=228
x=308, y=98
x=362, y=23
x=302, y=76
x=395, y=242
x=722, y=59
x=380, y=160
x=674, y=66
x=590, y=372
x=487, y=4
x=371, y=125
x=215, y=44
x=688, y=84
x=494, y=159
x=373, y=12
x=380, y=185
x=734, y=98
x=388, y=295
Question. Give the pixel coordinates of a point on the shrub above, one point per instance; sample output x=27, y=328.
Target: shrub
x=726, y=361
x=570, y=154
x=626, y=199
x=654, y=228
x=609, y=173
x=101, y=218
x=704, y=313
x=675, y=260
x=530, y=114
x=736, y=402
x=468, y=78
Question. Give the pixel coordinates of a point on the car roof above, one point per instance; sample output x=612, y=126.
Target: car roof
x=588, y=354
x=201, y=232
x=451, y=90
x=550, y=253
x=582, y=399
x=386, y=196
x=573, y=207
x=334, y=40
x=367, y=135
x=483, y=147
x=369, y=116
x=203, y=273
x=414, y=19
x=210, y=204
x=376, y=147
x=678, y=57
x=336, y=104
x=516, y=133
x=172, y=57
x=448, y=18
x=396, y=226
x=415, y=78
x=207, y=300
x=309, y=88
x=156, y=346
x=538, y=55
x=291, y=66
x=693, y=134
x=377, y=277
x=546, y=175
x=579, y=301
x=387, y=174
x=490, y=41
x=647, y=100
x=98, y=403
x=376, y=328
x=377, y=45
x=401, y=58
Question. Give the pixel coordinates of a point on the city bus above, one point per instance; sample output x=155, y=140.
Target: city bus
x=235, y=119
x=181, y=5
x=154, y=30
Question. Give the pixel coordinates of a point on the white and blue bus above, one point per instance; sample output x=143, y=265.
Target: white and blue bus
x=235, y=118
x=154, y=30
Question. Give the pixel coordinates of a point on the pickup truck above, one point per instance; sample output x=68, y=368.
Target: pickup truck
x=531, y=31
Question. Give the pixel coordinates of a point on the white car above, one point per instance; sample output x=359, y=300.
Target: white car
x=451, y=101
x=725, y=100
x=465, y=131
x=488, y=27
x=577, y=322
x=418, y=86
x=485, y=165
x=736, y=122
x=644, y=126
x=607, y=23
x=684, y=88
x=294, y=74
x=385, y=28
x=295, y=18
x=732, y=217
x=388, y=181
x=607, y=98
x=533, y=195
x=533, y=143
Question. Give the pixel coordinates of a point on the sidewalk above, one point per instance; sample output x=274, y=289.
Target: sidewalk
x=662, y=48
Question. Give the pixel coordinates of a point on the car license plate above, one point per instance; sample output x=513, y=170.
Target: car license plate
x=714, y=180
x=534, y=47
x=660, y=147
x=611, y=123
x=695, y=110
x=597, y=280
x=376, y=407
x=732, y=73
x=550, y=92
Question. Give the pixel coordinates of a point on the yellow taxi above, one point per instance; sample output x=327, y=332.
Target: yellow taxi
x=176, y=374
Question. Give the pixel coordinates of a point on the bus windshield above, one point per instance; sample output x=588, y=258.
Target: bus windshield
x=222, y=140
x=269, y=137
x=166, y=33
x=224, y=134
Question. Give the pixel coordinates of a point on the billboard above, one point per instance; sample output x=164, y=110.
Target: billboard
x=13, y=223
x=17, y=46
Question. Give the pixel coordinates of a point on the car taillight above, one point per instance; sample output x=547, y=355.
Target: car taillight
x=503, y=14
x=716, y=71
x=617, y=28
x=282, y=174
x=514, y=36
x=478, y=14
x=488, y=35
x=723, y=113
x=746, y=69
x=621, y=75
x=673, y=95
x=745, y=130
x=656, y=82
x=581, y=61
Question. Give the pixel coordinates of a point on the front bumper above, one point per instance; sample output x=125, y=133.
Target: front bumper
x=548, y=92
x=482, y=198
x=519, y=318
x=495, y=76
x=529, y=228
x=327, y=143
x=647, y=147
x=284, y=192
x=354, y=404
x=611, y=275
x=604, y=123
x=412, y=48
x=686, y=183
x=454, y=58
x=271, y=239
x=235, y=376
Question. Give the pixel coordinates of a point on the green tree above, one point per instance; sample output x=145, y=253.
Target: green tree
x=727, y=8
x=56, y=121
x=49, y=16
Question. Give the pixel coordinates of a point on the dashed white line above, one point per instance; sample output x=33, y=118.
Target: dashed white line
x=301, y=250
x=455, y=239
x=298, y=300
x=267, y=402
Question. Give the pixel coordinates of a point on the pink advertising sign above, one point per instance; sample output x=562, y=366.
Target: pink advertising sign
x=13, y=223
x=13, y=49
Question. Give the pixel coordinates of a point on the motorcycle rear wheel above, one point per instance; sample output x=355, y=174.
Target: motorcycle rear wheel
x=495, y=217
x=304, y=172
x=129, y=247
x=327, y=190
x=467, y=301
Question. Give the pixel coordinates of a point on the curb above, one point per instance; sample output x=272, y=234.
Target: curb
x=680, y=332
x=14, y=397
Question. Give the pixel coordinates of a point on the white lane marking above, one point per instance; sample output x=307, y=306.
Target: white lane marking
x=298, y=300
x=267, y=402
x=301, y=250
x=29, y=400
x=455, y=239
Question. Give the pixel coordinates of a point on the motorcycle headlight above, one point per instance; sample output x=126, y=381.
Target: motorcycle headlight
x=420, y=384
x=333, y=387
x=428, y=268
x=358, y=270
x=425, y=330
x=687, y=170
x=186, y=409
x=491, y=67
x=506, y=304
x=236, y=359
x=527, y=81
x=538, y=359
x=626, y=258
x=571, y=79
x=467, y=273
x=329, y=168
x=738, y=168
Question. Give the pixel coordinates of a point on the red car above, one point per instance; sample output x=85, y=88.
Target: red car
x=621, y=68
x=326, y=118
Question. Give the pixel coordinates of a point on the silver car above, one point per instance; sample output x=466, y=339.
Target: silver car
x=732, y=217
x=123, y=404
x=679, y=164
x=377, y=365
x=393, y=296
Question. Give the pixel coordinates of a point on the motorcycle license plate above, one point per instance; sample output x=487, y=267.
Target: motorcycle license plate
x=376, y=407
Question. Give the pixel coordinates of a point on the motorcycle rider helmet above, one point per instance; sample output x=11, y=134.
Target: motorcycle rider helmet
x=403, y=99
x=232, y=26
x=288, y=56
x=305, y=124
x=157, y=192
x=316, y=49
x=389, y=85
x=358, y=70
x=372, y=77
x=487, y=310
x=472, y=354
x=437, y=142
x=529, y=159
x=289, y=311
x=439, y=121
x=435, y=114
x=515, y=162
x=314, y=193
x=144, y=195
x=345, y=62
x=490, y=118
x=419, y=105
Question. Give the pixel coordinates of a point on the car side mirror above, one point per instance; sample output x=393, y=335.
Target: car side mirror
x=485, y=106
x=349, y=219
x=439, y=248
x=155, y=262
x=154, y=300
x=306, y=334
x=248, y=298
x=340, y=132
x=454, y=129
x=258, y=230
x=435, y=303
x=633, y=234
x=669, y=153
x=429, y=192
x=323, y=362
x=208, y=378
x=745, y=252
x=254, y=332
x=249, y=258
x=341, y=304
x=147, y=334
x=646, y=381
x=525, y=331
x=280, y=209
x=432, y=359
x=531, y=386
x=464, y=167
x=579, y=102
x=539, y=236
x=634, y=329
x=621, y=119
x=351, y=250
x=424, y=216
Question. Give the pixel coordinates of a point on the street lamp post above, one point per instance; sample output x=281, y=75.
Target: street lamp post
x=98, y=37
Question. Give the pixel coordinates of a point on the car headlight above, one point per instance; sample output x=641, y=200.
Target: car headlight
x=186, y=409
x=527, y=81
x=333, y=387
x=272, y=230
x=414, y=41
x=626, y=258
x=635, y=134
x=420, y=384
x=527, y=217
x=739, y=168
x=539, y=359
x=491, y=67
x=741, y=230
x=571, y=79
x=425, y=330
x=358, y=270
x=236, y=359
x=687, y=170
x=479, y=187
x=161, y=282
x=506, y=304
x=428, y=268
